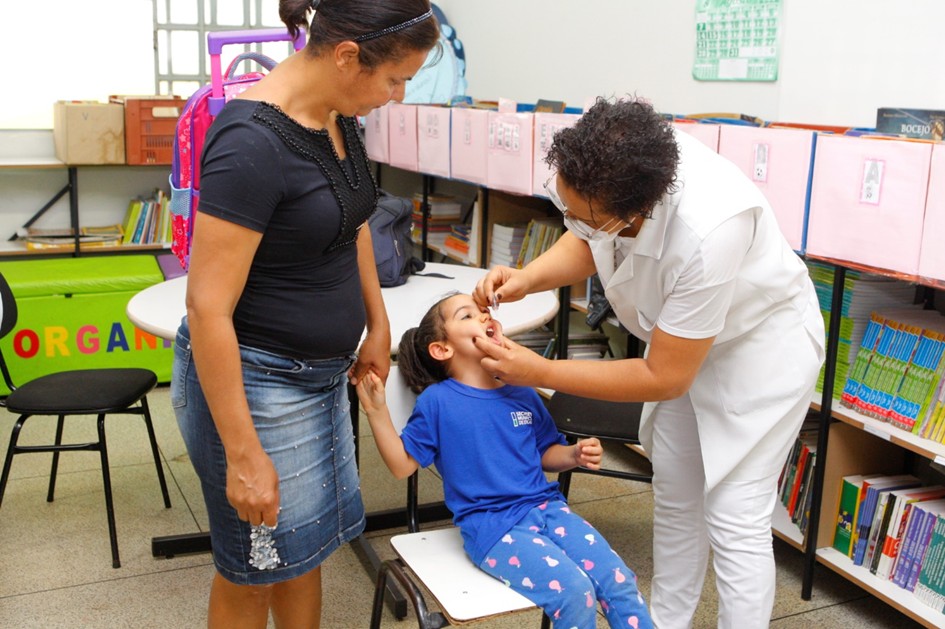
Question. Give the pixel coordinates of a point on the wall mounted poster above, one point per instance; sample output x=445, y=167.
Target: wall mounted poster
x=737, y=40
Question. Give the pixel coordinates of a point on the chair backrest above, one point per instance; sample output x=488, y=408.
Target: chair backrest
x=8, y=317
x=400, y=399
x=585, y=417
x=8, y=312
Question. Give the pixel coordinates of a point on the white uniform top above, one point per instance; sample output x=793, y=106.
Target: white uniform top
x=713, y=262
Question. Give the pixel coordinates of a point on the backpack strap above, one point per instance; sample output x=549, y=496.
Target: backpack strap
x=264, y=61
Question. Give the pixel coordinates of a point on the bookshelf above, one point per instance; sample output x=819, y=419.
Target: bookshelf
x=853, y=443
x=12, y=248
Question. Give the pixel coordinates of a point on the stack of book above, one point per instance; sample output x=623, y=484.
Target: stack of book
x=894, y=526
x=506, y=244
x=897, y=376
x=794, y=485
x=540, y=234
x=863, y=293
x=52, y=239
x=444, y=212
x=148, y=221
x=457, y=240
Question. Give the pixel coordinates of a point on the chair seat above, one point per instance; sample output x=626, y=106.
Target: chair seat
x=596, y=418
x=462, y=590
x=81, y=392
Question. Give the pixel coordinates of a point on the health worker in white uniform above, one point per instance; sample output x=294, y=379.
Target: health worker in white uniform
x=693, y=263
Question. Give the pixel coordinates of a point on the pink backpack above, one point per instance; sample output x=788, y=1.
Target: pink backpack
x=195, y=120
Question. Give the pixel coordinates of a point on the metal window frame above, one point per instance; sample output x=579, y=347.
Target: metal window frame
x=164, y=82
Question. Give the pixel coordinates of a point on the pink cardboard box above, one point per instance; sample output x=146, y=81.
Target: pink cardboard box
x=706, y=133
x=868, y=201
x=433, y=140
x=402, y=123
x=509, y=152
x=469, y=131
x=778, y=161
x=932, y=253
x=377, y=135
x=546, y=125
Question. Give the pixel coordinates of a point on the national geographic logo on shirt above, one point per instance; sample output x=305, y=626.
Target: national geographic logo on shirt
x=521, y=418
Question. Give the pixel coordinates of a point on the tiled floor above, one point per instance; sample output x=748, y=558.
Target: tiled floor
x=55, y=566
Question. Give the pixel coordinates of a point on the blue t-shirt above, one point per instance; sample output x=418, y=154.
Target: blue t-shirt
x=487, y=445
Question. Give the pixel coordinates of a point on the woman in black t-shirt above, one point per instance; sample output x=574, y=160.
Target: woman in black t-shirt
x=281, y=284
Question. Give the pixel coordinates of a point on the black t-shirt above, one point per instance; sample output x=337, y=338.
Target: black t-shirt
x=264, y=171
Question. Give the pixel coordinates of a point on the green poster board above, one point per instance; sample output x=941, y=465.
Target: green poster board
x=737, y=40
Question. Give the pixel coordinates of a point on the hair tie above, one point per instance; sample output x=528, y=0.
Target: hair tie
x=394, y=28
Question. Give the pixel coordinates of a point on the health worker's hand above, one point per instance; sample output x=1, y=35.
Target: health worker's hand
x=511, y=363
x=500, y=284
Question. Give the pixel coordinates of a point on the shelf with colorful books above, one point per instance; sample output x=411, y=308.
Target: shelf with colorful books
x=886, y=432
x=853, y=526
x=875, y=423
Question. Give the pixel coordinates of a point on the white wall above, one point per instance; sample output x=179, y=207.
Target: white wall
x=74, y=50
x=840, y=60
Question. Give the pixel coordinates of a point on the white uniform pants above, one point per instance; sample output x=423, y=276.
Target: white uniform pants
x=733, y=519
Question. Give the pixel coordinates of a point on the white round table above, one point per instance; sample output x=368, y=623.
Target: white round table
x=160, y=308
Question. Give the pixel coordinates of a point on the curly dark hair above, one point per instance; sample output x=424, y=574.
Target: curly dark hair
x=620, y=155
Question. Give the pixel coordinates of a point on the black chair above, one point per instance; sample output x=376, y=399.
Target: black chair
x=98, y=392
x=618, y=422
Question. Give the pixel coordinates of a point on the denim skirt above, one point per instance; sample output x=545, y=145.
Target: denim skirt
x=302, y=415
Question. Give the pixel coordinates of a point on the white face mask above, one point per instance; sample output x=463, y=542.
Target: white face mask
x=590, y=234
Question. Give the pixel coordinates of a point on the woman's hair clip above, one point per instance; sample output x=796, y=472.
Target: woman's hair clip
x=314, y=4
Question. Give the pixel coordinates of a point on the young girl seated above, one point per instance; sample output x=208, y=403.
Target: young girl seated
x=492, y=443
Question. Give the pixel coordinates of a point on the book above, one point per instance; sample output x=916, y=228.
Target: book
x=131, y=220
x=889, y=546
x=850, y=487
x=52, y=239
x=917, y=539
x=922, y=545
x=808, y=451
x=922, y=374
x=873, y=488
x=863, y=358
x=930, y=587
x=878, y=530
x=539, y=236
x=923, y=124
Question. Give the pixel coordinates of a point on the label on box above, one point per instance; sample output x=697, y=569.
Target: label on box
x=873, y=170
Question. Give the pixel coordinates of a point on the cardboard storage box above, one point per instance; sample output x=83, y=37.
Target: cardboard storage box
x=72, y=316
x=89, y=132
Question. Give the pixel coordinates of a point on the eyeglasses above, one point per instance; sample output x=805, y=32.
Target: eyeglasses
x=582, y=230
